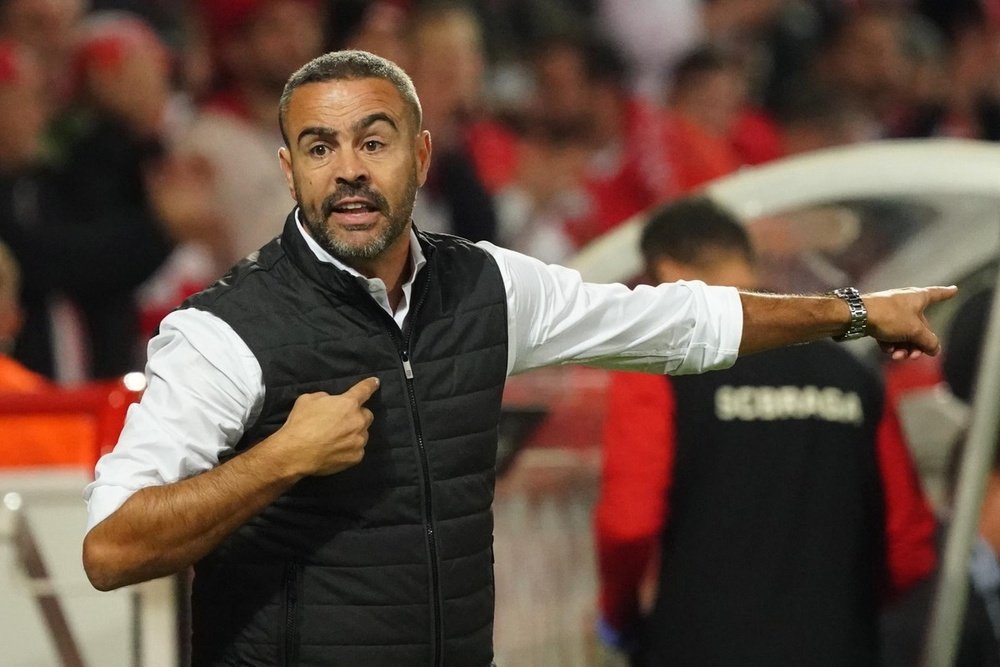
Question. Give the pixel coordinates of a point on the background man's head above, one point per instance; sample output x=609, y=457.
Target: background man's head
x=696, y=239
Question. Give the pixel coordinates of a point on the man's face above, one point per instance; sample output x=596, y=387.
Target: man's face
x=353, y=164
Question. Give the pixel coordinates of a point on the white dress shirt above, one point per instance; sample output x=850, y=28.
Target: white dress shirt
x=204, y=386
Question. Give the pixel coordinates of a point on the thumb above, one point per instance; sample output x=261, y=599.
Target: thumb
x=363, y=390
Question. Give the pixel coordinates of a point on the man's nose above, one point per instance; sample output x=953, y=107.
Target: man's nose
x=351, y=168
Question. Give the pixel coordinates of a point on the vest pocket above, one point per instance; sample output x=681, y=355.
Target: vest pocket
x=288, y=647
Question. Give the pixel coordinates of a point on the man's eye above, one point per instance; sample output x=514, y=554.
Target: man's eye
x=319, y=150
x=373, y=145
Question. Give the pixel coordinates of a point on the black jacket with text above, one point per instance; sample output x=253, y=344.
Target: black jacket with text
x=773, y=554
x=388, y=563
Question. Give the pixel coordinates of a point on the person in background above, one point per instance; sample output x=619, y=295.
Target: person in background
x=865, y=60
x=80, y=261
x=779, y=493
x=815, y=116
x=13, y=376
x=47, y=28
x=255, y=45
x=582, y=82
x=445, y=58
x=112, y=158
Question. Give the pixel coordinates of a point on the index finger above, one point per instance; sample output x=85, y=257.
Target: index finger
x=363, y=390
x=935, y=294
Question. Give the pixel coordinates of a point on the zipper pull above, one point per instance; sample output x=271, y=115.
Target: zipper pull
x=407, y=368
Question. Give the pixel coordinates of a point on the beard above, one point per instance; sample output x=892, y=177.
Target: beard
x=397, y=218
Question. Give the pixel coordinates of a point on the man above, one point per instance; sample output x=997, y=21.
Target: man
x=780, y=491
x=318, y=434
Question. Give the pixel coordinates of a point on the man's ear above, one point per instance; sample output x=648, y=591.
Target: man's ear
x=423, y=156
x=285, y=159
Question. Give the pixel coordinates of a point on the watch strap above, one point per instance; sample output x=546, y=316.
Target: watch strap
x=858, y=326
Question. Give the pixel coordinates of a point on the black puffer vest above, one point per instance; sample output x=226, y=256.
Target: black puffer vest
x=389, y=562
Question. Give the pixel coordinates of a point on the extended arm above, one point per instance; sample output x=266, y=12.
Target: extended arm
x=160, y=530
x=895, y=319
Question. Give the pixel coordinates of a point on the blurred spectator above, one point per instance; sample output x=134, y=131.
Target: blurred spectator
x=113, y=142
x=545, y=192
x=815, y=116
x=82, y=244
x=446, y=61
x=582, y=81
x=707, y=95
x=256, y=45
x=47, y=28
x=960, y=91
x=378, y=28
x=780, y=491
x=13, y=376
x=118, y=150
x=865, y=59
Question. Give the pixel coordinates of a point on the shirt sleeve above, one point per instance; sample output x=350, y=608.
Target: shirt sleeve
x=636, y=471
x=203, y=387
x=554, y=317
x=909, y=522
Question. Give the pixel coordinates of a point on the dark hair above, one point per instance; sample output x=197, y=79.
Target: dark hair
x=704, y=59
x=602, y=61
x=349, y=66
x=683, y=230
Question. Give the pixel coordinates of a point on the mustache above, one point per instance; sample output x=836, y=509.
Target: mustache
x=345, y=190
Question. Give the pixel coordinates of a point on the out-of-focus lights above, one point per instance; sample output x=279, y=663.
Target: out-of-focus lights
x=13, y=501
x=134, y=381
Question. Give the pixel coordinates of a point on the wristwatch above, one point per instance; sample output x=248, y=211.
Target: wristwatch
x=859, y=314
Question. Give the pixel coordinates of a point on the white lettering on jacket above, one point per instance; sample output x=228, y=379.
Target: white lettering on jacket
x=786, y=403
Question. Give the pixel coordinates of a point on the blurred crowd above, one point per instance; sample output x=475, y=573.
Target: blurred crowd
x=139, y=137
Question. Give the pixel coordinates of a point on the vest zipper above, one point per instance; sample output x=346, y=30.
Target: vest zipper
x=403, y=350
x=291, y=652
x=437, y=648
x=437, y=653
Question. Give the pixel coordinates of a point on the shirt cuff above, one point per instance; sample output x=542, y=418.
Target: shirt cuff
x=720, y=323
x=103, y=501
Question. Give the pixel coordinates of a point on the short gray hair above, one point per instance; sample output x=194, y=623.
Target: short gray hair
x=349, y=66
